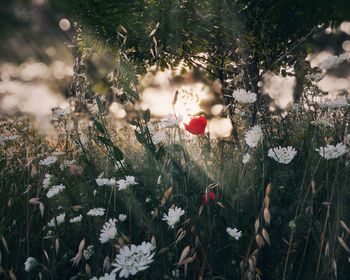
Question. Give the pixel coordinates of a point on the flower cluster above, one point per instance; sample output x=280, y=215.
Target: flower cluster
x=100, y=181
x=132, y=259
x=48, y=161
x=76, y=219
x=282, y=154
x=234, y=233
x=123, y=184
x=173, y=216
x=253, y=136
x=57, y=221
x=47, y=181
x=54, y=190
x=96, y=212
x=30, y=264
x=331, y=151
x=109, y=231
x=244, y=96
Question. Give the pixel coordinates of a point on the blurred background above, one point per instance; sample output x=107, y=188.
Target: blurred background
x=39, y=48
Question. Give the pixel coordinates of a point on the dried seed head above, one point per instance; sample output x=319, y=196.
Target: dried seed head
x=268, y=189
x=259, y=240
x=267, y=216
x=266, y=236
x=257, y=225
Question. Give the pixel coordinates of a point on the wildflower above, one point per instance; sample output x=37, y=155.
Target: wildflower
x=88, y=252
x=76, y=219
x=132, y=259
x=173, y=216
x=122, y=217
x=246, y=158
x=48, y=161
x=234, y=233
x=292, y=224
x=30, y=264
x=96, y=212
x=244, y=96
x=253, y=136
x=125, y=183
x=332, y=152
x=109, y=231
x=196, y=125
x=105, y=277
x=54, y=190
x=57, y=221
x=282, y=154
x=100, y=181
x=158, y=137
x=206, y=195
x=47, y=180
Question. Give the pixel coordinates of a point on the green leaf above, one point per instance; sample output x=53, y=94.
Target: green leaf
x=99, y=126
x=101, y=108
x=105, y=140
x=135, y=123
x=140, y=137
x=117, y=153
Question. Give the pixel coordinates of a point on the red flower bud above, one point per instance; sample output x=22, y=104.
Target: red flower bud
x=211, y=195
x=196, y=125
x=205, y=198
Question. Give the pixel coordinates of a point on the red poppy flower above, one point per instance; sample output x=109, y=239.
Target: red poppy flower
x=211, y=196
x=197, y=125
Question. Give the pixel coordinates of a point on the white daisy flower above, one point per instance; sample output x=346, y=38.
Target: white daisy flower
x=76, y=219
x=332, y=152
x=246, y=158
x=54, y=190
x=109, y=231
x=282, y=154
x=105, y=277
x=173, y=216
x=122, y=217
x=30, y=263
x=244, y=96
x=57, y=221
x=234, y=233
x=132, y=259
x=123, y=184
x=253, y=136
x=48, y=161
x=96, y=212
x=47, y=181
